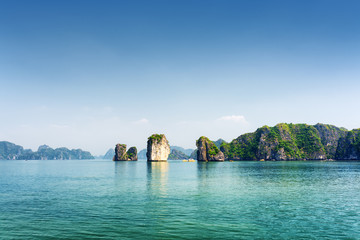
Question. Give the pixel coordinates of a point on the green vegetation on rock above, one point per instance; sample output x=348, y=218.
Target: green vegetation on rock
x=349, y=146
x=122, y=155
x=292, y=142
x=219, y=142
x=208, y=151
x=156, y=137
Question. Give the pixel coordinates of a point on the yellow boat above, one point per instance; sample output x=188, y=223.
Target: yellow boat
x=190, y=160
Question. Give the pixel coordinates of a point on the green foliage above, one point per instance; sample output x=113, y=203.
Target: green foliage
x=290, y=149
x=225, y=148
x=244, y=147
x=348, y=145
x=307, y=139
x=213, y=150
x=297, y=141
x=203, y=138
x=156, y=137
x=273, y=134
x=219, y=142
x=356, y=140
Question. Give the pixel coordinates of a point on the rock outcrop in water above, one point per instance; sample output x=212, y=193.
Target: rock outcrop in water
x=208, y=151
x=158, y=148
x=295, y=142
x=132, y=154
x=122, y=155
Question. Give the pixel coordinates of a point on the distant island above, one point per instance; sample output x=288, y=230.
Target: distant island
x=285, y=142
x=12, y=151
x=109, y=154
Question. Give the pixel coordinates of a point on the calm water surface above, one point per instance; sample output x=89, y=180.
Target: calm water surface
x=101, y=199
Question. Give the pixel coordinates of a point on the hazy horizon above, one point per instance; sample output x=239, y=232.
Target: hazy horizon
x=90, y=74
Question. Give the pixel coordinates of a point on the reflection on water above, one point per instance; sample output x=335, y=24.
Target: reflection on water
x=157, y=178
x=202, y=173
x=125, y=170
x=157, y=208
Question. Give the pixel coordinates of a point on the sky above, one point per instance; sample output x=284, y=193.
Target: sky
x=90, y=74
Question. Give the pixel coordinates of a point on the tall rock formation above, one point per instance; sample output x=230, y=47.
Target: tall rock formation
x=208, y=151
x=122, y=155
x=158, y=148
x=132, y=154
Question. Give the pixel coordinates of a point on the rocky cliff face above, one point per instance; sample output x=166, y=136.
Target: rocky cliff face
x=349, y=146
x=330, y=136
x=293, y=142
x=158, y=148
x=122, y=155
x=120, y=152
x=207, y=150
x=132, y=154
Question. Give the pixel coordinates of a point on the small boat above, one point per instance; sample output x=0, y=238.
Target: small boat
x=188, y=160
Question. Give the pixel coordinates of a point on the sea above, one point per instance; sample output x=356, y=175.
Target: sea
x=102, y=199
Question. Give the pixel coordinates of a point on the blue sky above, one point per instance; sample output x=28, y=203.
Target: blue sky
x=90, y=74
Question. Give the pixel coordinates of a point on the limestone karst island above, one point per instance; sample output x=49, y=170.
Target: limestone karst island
x=283, y=142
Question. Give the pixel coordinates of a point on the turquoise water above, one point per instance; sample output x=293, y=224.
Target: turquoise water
x=101, y=199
